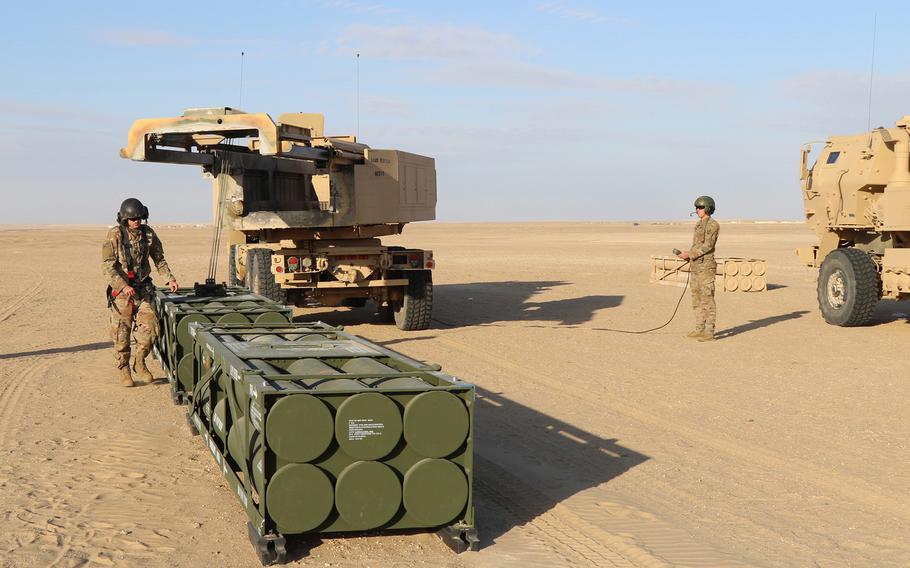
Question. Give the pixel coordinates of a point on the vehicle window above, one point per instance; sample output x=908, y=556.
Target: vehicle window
x=832, y=157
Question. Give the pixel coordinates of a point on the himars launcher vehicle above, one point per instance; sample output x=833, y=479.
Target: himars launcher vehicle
x=857, y=199
x=304, y=210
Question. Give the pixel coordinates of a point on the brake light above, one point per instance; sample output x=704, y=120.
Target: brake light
x=279, y=268
x=430, y=264
x=293, y=263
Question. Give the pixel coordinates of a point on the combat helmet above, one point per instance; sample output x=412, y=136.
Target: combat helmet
x=132, y=208
x=706, y=202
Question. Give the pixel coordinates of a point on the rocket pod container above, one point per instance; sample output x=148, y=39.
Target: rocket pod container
x=176, y=310
x=317, y=430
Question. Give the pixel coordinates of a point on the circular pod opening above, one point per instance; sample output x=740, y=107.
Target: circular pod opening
x=183, y=329
x=299, y=497
x=367, y=425
x=435, y=491
x=435, y=423
x=271, y=317
x=299, y=428
x=367, y=494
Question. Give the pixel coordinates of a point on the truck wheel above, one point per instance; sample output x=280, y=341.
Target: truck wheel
x=849, y=287
x=233, y=280
x=417, y=308
x=259, y=277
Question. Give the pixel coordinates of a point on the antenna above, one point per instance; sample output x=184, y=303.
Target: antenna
x=240, y=106
x=872, y=71
x=357, y=128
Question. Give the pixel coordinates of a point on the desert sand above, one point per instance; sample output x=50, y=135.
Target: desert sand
x=784, y=443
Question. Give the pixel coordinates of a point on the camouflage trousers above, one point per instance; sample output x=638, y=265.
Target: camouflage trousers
x=701, y=281
x=124, y=312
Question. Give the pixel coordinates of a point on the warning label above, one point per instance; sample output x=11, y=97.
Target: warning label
x=363, y=428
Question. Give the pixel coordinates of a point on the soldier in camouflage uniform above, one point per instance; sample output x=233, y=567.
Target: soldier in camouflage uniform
x=703, y=269
x=125, y=262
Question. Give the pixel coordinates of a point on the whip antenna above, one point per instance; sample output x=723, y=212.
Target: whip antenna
x=357, y=103
x=239, y=106
x=872, y=71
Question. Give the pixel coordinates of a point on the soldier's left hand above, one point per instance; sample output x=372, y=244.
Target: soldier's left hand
x=684, y=255
x=173, y=285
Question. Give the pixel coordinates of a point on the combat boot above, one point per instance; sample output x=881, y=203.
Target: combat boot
x=707, y=334
x=139, y=366
x=126, y=379
x=695, y=334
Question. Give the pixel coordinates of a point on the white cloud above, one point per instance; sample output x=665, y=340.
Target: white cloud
x=426, y=41
x=504, y=73
x=362, y=7
x=143, y=38
x=567, y=12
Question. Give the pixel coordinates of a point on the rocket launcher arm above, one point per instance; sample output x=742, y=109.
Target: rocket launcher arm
x=188, y=139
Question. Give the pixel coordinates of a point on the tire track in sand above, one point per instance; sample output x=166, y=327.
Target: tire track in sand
x=7, y=311
x=847, y=487
x=12, y=386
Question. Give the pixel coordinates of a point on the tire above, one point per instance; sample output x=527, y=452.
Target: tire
x=259, y=277
x=233, y=280
x=416, y=310
x=849, y=287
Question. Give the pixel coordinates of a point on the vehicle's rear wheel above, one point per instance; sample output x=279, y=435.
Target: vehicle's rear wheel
x=849, y=287
x=416, y=310
x=259, y=277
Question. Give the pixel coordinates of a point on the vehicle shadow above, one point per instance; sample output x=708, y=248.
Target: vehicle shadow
x=525, y=463
x=889, y=311
x=55, y=350
x=480, y=303
x=759, y=323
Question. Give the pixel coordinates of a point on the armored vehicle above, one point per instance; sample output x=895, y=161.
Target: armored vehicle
x=857, y=200
x=304, y=211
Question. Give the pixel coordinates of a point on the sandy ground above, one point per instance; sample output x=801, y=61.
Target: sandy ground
x=784, y=443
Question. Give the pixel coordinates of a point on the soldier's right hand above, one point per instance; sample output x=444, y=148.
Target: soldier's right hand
x=128, y=291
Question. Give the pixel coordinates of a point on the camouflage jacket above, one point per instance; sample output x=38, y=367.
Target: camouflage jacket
x=115, y=259
x=703, y=241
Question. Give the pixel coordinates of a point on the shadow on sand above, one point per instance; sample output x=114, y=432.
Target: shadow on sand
x=759, y=323
x=526, y=463
x=55, y=350
x=889, y=311
x=482, y=303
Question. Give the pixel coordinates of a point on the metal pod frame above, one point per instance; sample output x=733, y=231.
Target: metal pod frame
x=317, y=430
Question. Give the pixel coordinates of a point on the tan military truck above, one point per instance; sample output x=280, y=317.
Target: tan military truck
x=304, y=211
x=857, y=199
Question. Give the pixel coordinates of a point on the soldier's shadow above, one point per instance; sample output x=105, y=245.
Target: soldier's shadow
x=759, y=323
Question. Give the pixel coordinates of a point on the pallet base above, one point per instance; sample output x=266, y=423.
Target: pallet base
x=459, y=538
x=270, y=548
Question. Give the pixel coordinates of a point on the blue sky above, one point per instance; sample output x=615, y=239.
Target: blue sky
x=533, y=110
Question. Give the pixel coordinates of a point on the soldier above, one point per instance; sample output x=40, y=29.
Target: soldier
x=125, y=262
x=703, y=268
